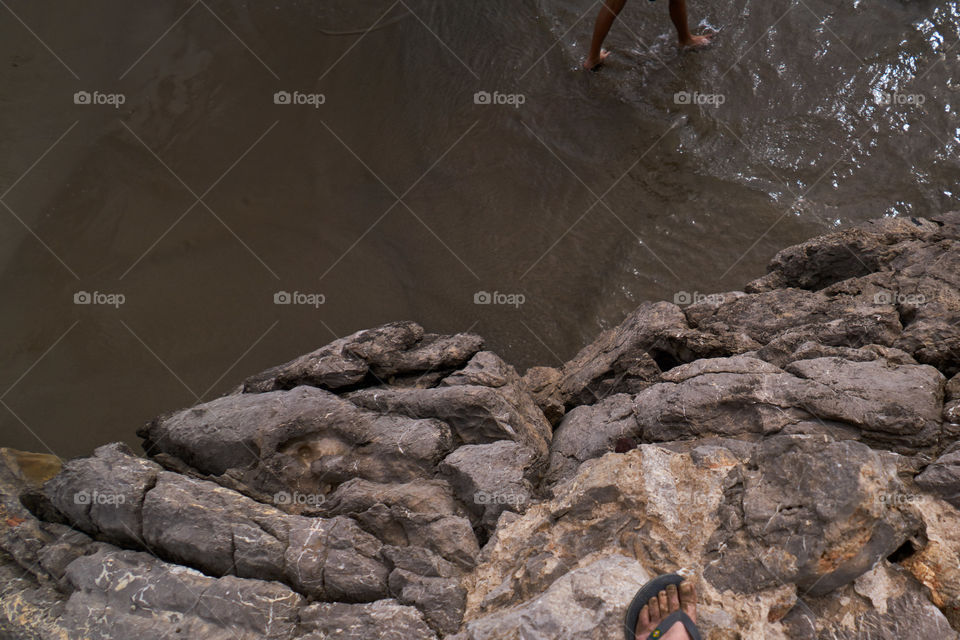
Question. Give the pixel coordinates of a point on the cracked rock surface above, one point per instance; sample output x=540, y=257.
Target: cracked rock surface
x=793, y=448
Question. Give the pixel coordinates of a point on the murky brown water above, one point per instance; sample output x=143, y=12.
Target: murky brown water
x=199, y=198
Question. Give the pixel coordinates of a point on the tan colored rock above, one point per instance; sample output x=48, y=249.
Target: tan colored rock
x=585, y=604
x=937, y=565
x=33, y=468
x=885, y=603
x=543, y=383
x=652, y=505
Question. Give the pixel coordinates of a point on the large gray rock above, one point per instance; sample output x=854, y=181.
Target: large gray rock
x=795, y=316
x=492, y=478
x=810, y=512
x=630, y=357
x=910, y=265
x=305, y=440
x=485, y=369
x=203, y=525
x=658, y=337
x=103, y=494
x=126, y=594
x=896, y=405
x=476, y=414
x=442, y=600
x=335, y=560
x=851, y=253
x=422, y=513
x=375, y=355
x=590, y=431
x=882, y=403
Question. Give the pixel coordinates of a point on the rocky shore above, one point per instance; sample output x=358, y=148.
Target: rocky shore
x=794, y=448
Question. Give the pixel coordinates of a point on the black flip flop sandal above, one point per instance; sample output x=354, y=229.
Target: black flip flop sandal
x=650, y=590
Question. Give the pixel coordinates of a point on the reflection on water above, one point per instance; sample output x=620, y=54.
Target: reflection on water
x=402, y=197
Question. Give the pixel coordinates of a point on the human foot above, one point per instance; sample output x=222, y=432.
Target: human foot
x=592, y=63
x=663, y=605
x=696, y=42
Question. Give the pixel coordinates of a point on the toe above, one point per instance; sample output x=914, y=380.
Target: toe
x=688, y=599
x=643, y=622
x=673, y=598
x=664, y=605
x=654, y=605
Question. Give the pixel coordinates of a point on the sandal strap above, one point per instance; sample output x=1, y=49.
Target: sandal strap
x=672, y=619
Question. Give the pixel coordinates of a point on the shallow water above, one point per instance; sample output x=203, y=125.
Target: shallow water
x=199, y=198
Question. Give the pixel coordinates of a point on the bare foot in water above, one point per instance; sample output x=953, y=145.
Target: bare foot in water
x=664, y=604
x=594, y=63
x=696, y=42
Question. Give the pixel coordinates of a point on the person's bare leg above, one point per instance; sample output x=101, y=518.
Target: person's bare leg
x=678, y=13
x=664, y=604
x=605, y=19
